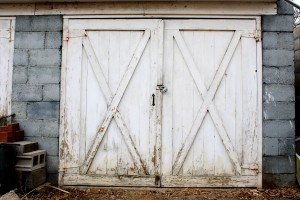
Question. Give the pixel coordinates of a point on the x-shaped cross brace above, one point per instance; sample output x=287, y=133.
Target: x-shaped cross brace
x=113, y=102
x=207, y=96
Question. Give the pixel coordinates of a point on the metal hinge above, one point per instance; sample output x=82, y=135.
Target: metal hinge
x=257, y=35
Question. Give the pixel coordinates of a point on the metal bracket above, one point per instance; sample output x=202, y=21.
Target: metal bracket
x=162, y=88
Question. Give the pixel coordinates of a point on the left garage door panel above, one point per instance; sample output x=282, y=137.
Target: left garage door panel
x=110, y=72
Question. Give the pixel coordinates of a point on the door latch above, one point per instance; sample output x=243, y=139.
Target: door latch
x=162, y=88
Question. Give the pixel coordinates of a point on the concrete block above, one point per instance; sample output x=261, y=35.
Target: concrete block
x=38, y=128
x=51, y=92
x=276, y=92
x=19, y=75
x=43, y=75
x=278, y=180
x=281, y=75
x=278, y=40
x=48, y=144
x=53, y=40
x=31, y=161
x=21, y=57
x=278, y=58
x=52, y=164
x=279, y=164
x=43, y=110
x=284, y=8
x=29, y=40
x=279, y=128
x=53, y=178
x=27, y=93
x=45, y=57
x=22, y=147
x=31, y=180
x=47, y=23
x=23, y=23
x=284, y=23
x=20, y=109
x=279, y=110
x=286, y=146
x=270, y=146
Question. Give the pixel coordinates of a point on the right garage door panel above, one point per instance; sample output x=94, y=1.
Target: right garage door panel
x=210, y=112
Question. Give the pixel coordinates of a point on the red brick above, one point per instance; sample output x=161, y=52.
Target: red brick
x=13, y=127
x=7, y=137
x=3, y=128
x=19, y=135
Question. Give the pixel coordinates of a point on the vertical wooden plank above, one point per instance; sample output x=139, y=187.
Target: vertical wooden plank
x=188, y=112
x=114, y=78
x=167, y=104
x=62, y=102
x=259, y=100
x=250, y=104
x=10, y=63
x=83, y=113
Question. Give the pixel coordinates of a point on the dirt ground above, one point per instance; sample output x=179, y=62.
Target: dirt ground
x=164, y=194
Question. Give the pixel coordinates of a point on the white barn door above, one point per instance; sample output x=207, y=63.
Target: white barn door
x=119, y=129
x=111, y=106
x=210, y=113
x=7, y=31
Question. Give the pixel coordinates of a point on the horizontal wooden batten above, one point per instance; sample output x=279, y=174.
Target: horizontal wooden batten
x=115, y=181
x=141, y=8
x=214, y=181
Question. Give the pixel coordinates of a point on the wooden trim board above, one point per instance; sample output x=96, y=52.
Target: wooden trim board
x=141, y=8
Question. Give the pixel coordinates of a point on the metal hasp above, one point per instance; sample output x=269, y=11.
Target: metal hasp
x=162, y=88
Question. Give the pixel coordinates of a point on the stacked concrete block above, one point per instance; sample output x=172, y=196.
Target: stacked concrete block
x=30, y=164
x=278, y=97
x=36, y=82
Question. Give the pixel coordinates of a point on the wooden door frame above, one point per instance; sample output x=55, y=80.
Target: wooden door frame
x=259, y=84
x=8, y=70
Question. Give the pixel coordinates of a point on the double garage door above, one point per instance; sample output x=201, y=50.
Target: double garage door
x=162, y=103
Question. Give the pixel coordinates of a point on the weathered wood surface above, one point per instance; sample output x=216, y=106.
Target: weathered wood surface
x=116, y=123
x=141, y=8
x=7, y=31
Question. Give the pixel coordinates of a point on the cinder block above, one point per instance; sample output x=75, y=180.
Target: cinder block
x=43, y=75
x=278, y=180
x=284, y=23
x=284, y=8
x=29, y=40
x=20, y=109
x=279, y=164
x=27, y=93
x=279, y=110
x=51, y=92
x=52, y=164
x=47, y=23
x=22, y=147
x=53, y=40
x=278, y=40
x=276, y=92
x=43, y=110
x=19, y=75
x=278, y=58
x=38, y=128
x=281, y=75
x=21, y=57
x=45, y=57
x=31, y=180
x=286, y=146
x=279, y=128
x=31, y=161
x=23, y=23
x=270, y=146
x=46, y=143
